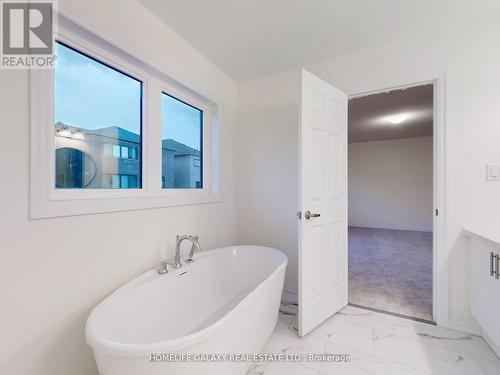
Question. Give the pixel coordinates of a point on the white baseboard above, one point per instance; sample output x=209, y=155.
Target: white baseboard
x=466, y=325
x=290, y=295
x=491, y=343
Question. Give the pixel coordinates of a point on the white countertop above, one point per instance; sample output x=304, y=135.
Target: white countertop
x=491, y=232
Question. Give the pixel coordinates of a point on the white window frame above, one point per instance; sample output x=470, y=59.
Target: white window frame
x=206, y=148
x=47, y=201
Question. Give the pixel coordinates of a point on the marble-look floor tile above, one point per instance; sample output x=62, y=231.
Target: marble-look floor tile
x=283, y=368
x=445, y=338
x=490, y=367
x=285, y=340
x=426, y=333
x=340, y=332
x=363, y=363
x=428, y=358
x=257, y=369
x=379, y=344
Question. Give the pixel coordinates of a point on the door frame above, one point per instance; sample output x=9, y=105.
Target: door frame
x=440, y=264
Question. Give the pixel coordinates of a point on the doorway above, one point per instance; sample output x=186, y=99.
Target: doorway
x=325, y=183
x=391, y=169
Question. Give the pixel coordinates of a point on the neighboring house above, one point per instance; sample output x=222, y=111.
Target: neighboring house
x=186, y=173
x=110, y=158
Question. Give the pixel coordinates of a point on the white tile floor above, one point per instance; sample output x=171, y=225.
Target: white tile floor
x=379, y=344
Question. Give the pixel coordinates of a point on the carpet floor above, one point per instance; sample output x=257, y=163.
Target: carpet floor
x=391, y=270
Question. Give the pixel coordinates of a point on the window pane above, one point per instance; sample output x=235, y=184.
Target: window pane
x=132, y=182
x=97, y=117
x=124, y=182
x=116, y=151
x=115, y=182
x=75, y=169
x=182, y=127
x=108, y=149
x=133, y=153
x=124, y=152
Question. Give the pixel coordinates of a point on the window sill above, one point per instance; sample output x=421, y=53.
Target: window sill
x=121, y=201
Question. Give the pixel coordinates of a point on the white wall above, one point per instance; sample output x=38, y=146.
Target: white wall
x=267, y=157
x=469, y=57
x=53, y=271
x=390, y=184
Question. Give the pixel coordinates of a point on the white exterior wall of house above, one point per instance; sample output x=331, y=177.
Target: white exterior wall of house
x=107, y=165
x=185, y=172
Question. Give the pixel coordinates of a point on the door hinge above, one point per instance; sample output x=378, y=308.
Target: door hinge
x=299, y=215
x=437, y=211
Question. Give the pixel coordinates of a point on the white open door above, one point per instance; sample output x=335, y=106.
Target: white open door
x=323, y=202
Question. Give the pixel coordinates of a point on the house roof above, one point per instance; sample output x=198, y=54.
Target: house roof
x=110, y=131
x=118, y=133
x=179, y=148
x=125, y=135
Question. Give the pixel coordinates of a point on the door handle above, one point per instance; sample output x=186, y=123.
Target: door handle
x=495, y=265
x=308, y=215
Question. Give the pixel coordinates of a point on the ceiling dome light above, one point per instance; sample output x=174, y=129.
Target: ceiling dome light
x=398, y=119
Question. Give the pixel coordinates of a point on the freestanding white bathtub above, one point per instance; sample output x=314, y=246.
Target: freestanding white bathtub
x=225, y=302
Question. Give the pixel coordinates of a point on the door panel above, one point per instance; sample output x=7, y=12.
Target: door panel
x=318, y=155
x=323, y=190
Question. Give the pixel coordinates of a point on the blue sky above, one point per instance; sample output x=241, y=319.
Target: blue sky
x=91, y=95
x=181, y=122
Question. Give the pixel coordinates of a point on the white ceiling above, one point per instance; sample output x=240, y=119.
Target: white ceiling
x=368, y=115
x=251, y=38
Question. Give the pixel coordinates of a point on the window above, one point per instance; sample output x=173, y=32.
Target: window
x=123, y=181
x=118, y=151
x=182, y=133
x=95, y=103
x=108, y=149
x=74, y=168
x=98, y=149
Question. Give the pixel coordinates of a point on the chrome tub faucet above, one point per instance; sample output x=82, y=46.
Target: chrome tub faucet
x=195, y=246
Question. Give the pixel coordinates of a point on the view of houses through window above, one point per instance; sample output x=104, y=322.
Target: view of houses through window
x=182, y=127
x=98, y=123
